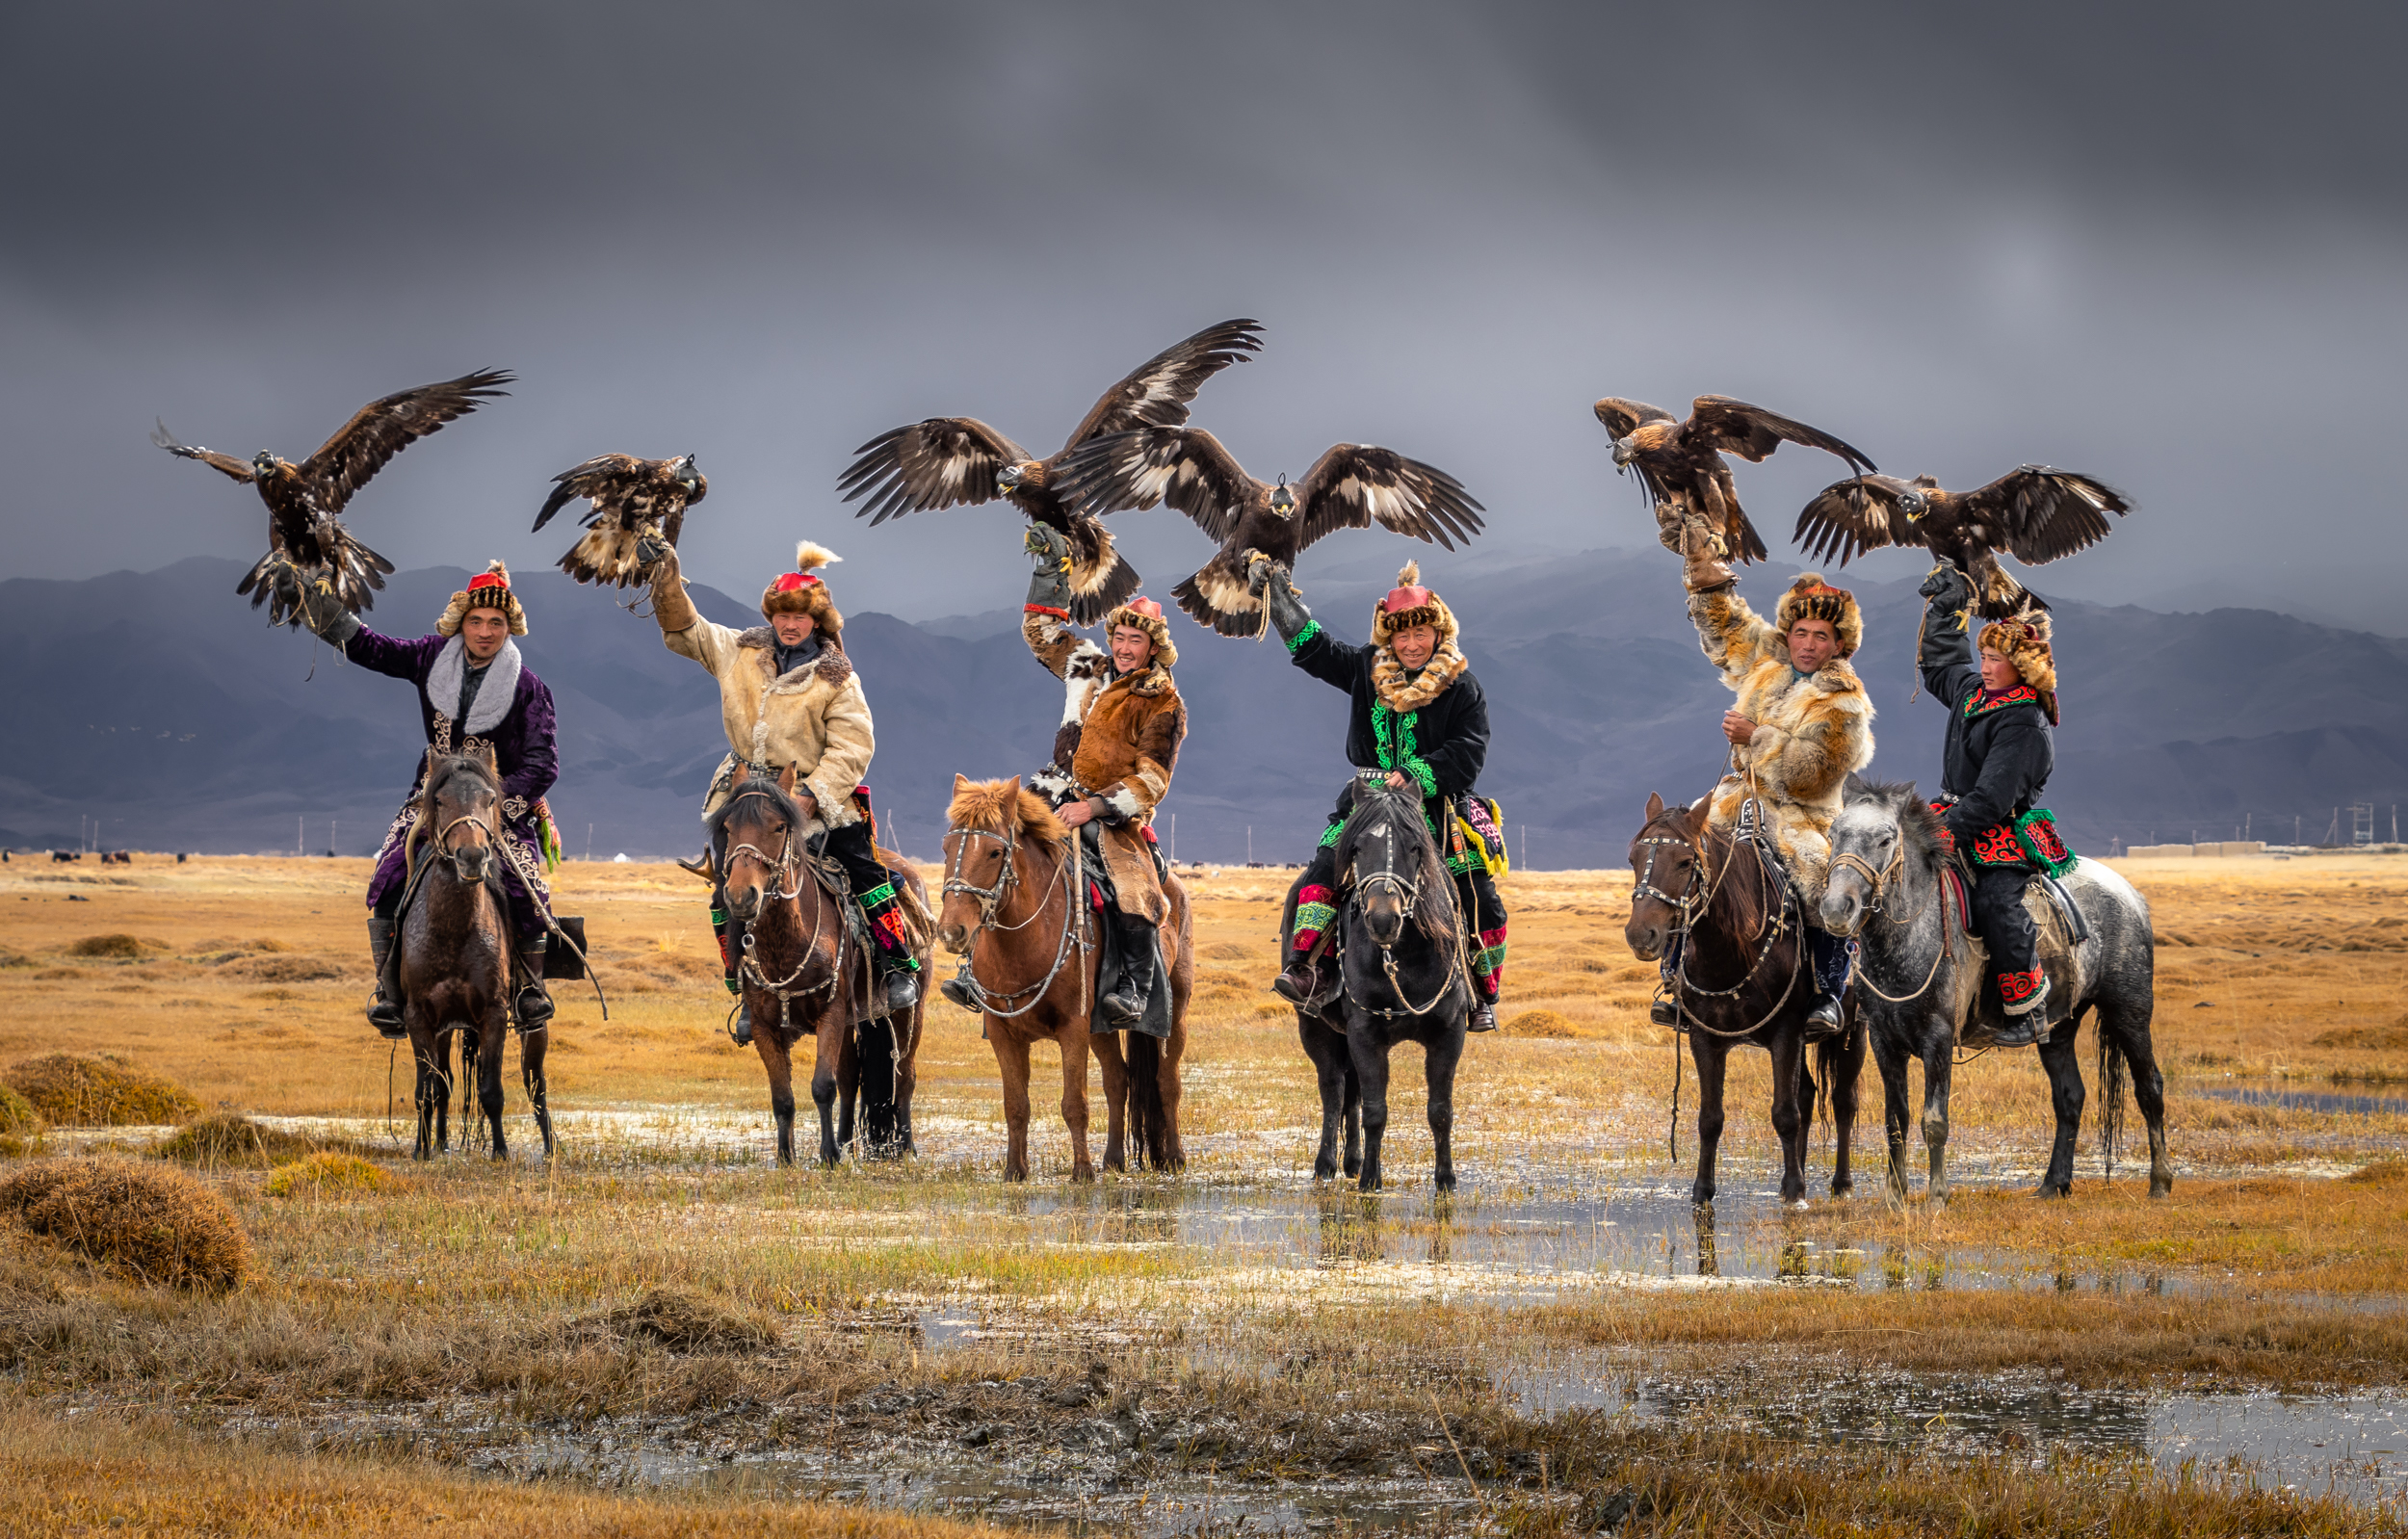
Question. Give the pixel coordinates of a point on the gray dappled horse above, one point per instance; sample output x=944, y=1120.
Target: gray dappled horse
x=1918, y=986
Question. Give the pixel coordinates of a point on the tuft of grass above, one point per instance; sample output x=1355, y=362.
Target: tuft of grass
x=119, y=948
x=1541, y=1022
x=18, y=1116
x=330, y=1172
x=230, y=1139
x=683, y=1319
x=71, y=1091
x=156, y=1224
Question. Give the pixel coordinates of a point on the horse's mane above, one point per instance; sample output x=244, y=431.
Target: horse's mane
x=441, y=767
x=1926, y=836
x=1435, y=915
x=1000, y=806
x=779, y=802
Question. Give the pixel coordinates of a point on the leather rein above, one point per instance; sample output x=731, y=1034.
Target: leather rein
x=1691, y=904
x=993, y=898
x=1409, y=896
x=785, y=888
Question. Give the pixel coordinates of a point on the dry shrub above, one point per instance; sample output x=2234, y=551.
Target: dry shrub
x=9, y=958
x=285, y=969
x=112, y=948
x=1229, y=951
x=158, y=1224
x=17, y=1115
x=329, y=1173
x=230, y=1139
x=2381, y=1173
x=684, y=1321
x=2367, y=1038
x=1541, y=1022
x=77, y=1092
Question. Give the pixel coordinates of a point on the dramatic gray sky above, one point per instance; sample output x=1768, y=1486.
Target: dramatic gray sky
x=2164, y=244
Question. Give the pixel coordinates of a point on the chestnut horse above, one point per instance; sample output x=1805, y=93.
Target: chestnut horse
x=1744, y=977
x=803, y=972
x=1015, y=899
x=456, y=951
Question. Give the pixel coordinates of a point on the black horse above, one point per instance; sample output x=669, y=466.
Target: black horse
x=1918, y=986
x=1402, y=978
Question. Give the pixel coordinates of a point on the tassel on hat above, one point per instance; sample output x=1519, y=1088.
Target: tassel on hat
x=802, y=591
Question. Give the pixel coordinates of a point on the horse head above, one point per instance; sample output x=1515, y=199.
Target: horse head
x=986, y=826
x=1667, y=875
x=464, y=791
x=1387, y=861
x=754, y=834
x=1881, y=830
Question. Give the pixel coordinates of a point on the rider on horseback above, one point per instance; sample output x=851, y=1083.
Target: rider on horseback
x=1114, y=755
x=2000, y=748
x=789, y=696
x=473, y=688
x=1419, y=716
x=1800, y=727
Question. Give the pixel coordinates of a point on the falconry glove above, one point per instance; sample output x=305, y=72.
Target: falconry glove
x=1049, y=587
x=1268, y=581
x=649, y=550
x=323, y=613
x=1945, y=586
x=1702, y=567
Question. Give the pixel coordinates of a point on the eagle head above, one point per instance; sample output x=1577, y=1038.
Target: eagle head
x=1012, y=477
x=1623, y=449
x=263, y=464
x=1282, y=500
x=1913, y=503
x=685, y=475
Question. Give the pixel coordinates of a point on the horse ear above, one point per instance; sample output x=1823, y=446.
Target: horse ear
x=743, y=772
x=493, y=759
x=786, y=780
x=1655, y=806
x=961, y=782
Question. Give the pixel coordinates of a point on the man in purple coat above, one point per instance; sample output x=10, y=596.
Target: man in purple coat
x=473, y=688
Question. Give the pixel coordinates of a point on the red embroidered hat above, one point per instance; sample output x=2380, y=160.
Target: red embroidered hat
x=1410, y=604
x=488, y=589
x=803, y=592
x=1143, y=613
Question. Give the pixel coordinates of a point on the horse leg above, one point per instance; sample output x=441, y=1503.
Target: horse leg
x=1439, y=1059
x=1354, y=1119
x=1329, y=1074
x=1166, y=1080
x=1117, y=1088
x=1789, y=1089
x=1370, y=1068
x=489, y=1075
x=1843, y=1066
x=770, y=1043
x=829, y=1047
x=908, y=1072
x=1890, y=1056
x=1073, y=1041
x=2065, y=1092
x=1707, y=1053
x=1939, y=1058
x=532, y=1047
x=430, y=1091
x=2126, y=1030
x=848, y=1085
x=1012, y=1062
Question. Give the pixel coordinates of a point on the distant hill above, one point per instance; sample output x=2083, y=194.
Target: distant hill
x=158, y=703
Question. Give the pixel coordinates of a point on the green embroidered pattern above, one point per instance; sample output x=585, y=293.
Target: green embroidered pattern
x=1295, y=644
x=875, y=895
x=1329, y=835
x=1311, y=919
x=1420, y=770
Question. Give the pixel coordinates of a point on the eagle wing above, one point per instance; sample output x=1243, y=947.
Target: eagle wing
x=223, y=464
x=1186, y=467
x=2040, y=513
x=1858, y=514
x=1620, y=416
x=936, y=463
x=1157, y=394
x=1730, y=426
x=629, y=498
x=1354, y=485
x=383, y=429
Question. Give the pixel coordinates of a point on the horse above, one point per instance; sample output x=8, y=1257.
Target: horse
x=1401, y=979
x=1735, y=918
x=1919, y=985
x=1016, y=903
x=455, y=952
x=803, y=972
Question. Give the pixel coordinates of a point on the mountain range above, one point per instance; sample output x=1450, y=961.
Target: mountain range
x=156, y=703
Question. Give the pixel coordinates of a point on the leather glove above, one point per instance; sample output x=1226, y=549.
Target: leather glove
x=1945, y=586
x=1268, y=580
x=1049, y=586
x=649, y=550
x=1702, y=566
x=321, y=611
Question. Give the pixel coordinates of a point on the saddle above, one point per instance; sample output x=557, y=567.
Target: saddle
x=2062, y=930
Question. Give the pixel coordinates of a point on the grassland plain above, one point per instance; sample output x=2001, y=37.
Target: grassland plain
x=1172, y=1355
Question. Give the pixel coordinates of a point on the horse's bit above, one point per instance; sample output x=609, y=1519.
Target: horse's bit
x=993, y=897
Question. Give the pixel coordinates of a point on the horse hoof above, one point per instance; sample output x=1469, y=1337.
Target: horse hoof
x=2161, y=1189
x=2050, y=1190
x=1446, y=1184
x=1796, y=1205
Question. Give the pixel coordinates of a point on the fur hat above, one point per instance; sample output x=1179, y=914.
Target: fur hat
x=488, y=589
x=1143, y=613
x=1410, y=604
x=1811, y=599
x=800, y=592
x=2022, y=639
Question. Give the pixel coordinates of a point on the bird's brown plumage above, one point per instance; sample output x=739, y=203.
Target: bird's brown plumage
x=1681, y=463
x=1350, y=486
x=944, y=461
x=2034, y=512
x=629, y=498
x=304, y=501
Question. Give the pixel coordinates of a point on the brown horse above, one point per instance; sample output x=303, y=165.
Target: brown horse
x=1015, y=899
x=1744, y=977
x=455, y=953
x=803, y=972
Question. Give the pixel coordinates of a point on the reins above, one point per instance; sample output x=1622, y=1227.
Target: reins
x=1691, y=904
x=1876, y=903
x=785, y=888
x=1409, y=897
x=1069, y=873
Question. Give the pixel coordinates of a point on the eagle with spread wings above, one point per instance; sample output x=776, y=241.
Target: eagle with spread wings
x=1352, y=487
x=2036, y=512
x=1679, y=464
x=628, y=499
x=948, y=460
x=304, y=532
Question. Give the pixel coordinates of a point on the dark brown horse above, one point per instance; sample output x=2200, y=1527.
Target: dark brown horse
x=803, y=973
x=1015, y=899
x=456, y=951
x=1744, y=977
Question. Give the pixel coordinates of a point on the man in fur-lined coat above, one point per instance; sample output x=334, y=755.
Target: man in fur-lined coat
x=789, y=696
x=1800, y=726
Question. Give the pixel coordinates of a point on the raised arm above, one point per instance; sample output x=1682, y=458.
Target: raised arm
x=1949, y=669
x=326, y=614
x=1734, y=638
x=1045, y=618
x=1309, y=647
x=683, y=629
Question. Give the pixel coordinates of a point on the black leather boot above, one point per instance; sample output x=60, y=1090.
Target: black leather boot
x=1299, y=980
x=534, y=1006
x=1483, y=1017
x=901, y=990
x=384, y=1006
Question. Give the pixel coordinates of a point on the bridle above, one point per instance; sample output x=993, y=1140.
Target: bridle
x=1691, y=904
x=1409, y=897
x=786, y=887
x=1879, y=883
x=993, y=897
x=479, y=821
x=784, y=865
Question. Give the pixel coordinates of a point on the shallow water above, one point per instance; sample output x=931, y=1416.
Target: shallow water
x=2251, y=1095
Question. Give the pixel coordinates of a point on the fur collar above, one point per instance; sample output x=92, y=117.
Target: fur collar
x=1835, y=677
x=831, y=665
x=494, y=697
x=1151, y=681
x=1402, y=695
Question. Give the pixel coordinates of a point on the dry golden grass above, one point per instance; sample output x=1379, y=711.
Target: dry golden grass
x=18, y=1116
x=331, y=1173
x=230, y=1139
x=80, y=1092
x=156, y=1224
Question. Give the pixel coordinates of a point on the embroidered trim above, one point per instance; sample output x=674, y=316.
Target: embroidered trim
x=1314, y=911
x=1330, y=835
x=1420, y=770
x=1045, y=609
x=2016, y=987
x=1312, y=629
x=1997, y=845
x=2021, y=694
x=2038, y=834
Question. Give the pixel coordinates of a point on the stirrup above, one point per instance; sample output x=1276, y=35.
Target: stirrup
x=957, y=989
x=1483, y=1017
x=901, y=990
x=1297, y=982
x=1121, y=1010
x=533, y=1006
x=1662, y=1012
x=1823, y=1020
x=385, y=1015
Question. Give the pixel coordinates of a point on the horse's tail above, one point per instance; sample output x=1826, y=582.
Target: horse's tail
x=2114, y=1078
x=1148, y=1132
x=874, y=1050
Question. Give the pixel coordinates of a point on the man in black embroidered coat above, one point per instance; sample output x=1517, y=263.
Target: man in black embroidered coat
x=1418, y=714
x=1993, y=769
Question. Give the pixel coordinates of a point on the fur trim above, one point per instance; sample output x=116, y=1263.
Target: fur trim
x=831, y=665
x=1809, y=597
x=1165, y=651
x=2024, y=639
x=1424, y=608
x=486, y=597
x=809, y=596
x=1402, y=695
x=494, y=697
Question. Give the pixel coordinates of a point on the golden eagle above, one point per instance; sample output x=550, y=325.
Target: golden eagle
x=946, y=461
x=304, y=500
x=1348, y=487
x=2035, y=511
x=1682, y=463
x=630, y=497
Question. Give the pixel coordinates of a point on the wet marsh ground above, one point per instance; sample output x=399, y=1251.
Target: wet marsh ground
x=664, y=1316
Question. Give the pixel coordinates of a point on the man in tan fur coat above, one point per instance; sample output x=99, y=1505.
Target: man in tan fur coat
x=1800, y=726
x=789, y=696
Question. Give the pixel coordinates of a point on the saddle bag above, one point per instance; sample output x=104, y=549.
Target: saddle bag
x=562, y=963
